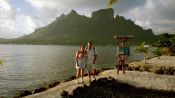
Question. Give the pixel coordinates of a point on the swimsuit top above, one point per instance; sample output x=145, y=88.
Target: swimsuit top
x=81, y=55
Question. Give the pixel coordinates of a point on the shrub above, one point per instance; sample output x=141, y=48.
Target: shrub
x=64, y=94
x=159, y=70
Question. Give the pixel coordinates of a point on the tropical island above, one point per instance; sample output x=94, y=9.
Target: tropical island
x=73, y=29
x=153, y=77
x=154, y=71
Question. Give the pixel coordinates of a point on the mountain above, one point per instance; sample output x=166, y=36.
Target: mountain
x=76, y=29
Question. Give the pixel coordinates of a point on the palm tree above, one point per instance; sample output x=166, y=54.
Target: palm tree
x=143, y=49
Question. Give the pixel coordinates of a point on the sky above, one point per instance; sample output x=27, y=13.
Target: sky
x=22, y=17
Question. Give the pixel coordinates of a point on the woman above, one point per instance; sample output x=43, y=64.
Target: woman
x=81, y=61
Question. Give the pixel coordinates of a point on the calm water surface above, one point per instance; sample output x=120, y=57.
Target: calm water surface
x=31, y=66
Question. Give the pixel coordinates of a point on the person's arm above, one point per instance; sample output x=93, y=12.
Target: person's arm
x=86, y=48
x=95, y=56
x=76, y=57
x=86, y=55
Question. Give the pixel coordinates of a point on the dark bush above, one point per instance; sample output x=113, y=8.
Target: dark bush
x=56, y=83
x=64, y=94
x=39, y=90
x=25, y=93
x=169, y=71
x=159, y=70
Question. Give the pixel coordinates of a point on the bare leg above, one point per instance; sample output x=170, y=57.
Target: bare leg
x=82, y=74
x=94, y=73
x=89, y=74
x=78, y=74
x=118, y=68
x=123, y=68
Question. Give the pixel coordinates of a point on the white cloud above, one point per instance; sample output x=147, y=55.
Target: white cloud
x=66, y=3
x=54, y=8
x=6, y=10
x=146, y=13
x=31, y=24
x=25, y=24
x=12, y=23
x=7, y=16
x=154, y=14
x=4, y=5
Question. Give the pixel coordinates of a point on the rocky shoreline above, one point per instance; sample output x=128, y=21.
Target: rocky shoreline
x=37, y=90
x=45, y=88
x=52, y=85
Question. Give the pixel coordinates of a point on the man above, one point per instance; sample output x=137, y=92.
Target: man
x=91, y=60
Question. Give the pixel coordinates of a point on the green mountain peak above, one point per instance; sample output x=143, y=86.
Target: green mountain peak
x=77, y=29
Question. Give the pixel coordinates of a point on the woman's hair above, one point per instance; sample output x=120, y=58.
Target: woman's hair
x=90, y=42
x=82, y=46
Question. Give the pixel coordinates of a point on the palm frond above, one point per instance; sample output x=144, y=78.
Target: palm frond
x=141, y=48
x=142, y=45
x=1, y=62
x=111, y=2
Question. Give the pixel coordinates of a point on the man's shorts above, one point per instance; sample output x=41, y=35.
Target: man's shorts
x=91, y=66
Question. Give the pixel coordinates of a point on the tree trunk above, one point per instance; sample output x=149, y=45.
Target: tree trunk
x=145, y=57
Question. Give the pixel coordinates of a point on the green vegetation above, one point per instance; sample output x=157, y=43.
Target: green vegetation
x=111, y=2
x=77, y=29
x=166, y=44
x=143, y=49
x=157, y=52
x=1, y=62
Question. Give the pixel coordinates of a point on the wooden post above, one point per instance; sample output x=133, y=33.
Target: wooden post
x=122, y=57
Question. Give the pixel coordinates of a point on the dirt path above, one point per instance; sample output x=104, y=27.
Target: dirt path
x=139, y=79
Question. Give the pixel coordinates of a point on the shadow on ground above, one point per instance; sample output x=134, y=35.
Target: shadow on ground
x=111, y=88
